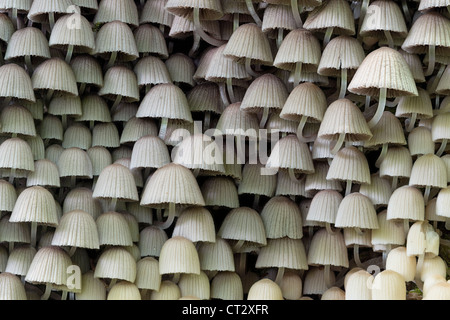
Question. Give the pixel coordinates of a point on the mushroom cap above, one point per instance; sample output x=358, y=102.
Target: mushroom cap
x=16, y=154
x=65, y=104
x=283, y=253
x=420, y=141
x=55, y=74
x=120, y=81
x=194, y=286
x=20, y=5
x=40, y=9
x=100, y=158
x=256, y=48
x=181, y=69
x=76, y=228
x=113, y=229
x=358, y=286
x=116, y=182
x=91, y=288
x=45, y=174
x=165, y=100
x=415, y=65
x=420, y=105
x=227, y=286
x=216, y=256
x=406, y=202
x=388, y=130
x=224, y=68
x=49, y=265
x=16, y=83
x=335, y=14
x=254, y=181
x=28, y=41
x=220, y=191
x=344, y=117
x=172, y=183
x=195, y=224
x=379, y=190
x=81, y=198
x=147, y=274
x=349, y=164
x=299, y=46
x=116, y=36
x=328, y=249
x=155, y=12
x=317, y=181
x=19, y=260
x=87, y=70
x=205, y=97
x=398, y=260
x=75, y=162
x=324, y=206
x=77, y=136
x=125, y=11
x=443, y=88
x=208, y=9
x=275, y=17
x=356, y=211
x=151, y=240
x=265, y=289
x=151, y=70
x=282, y=218
x=383, y=68
x=388, y=285
x=150, y=39
x=16, y=119
x=439, y=291
x=14, y=232
x=168, y=290
x=8, y=196
x=136, y=128
x=51, y=128
x=182, y=28
x=237, y=122
x=141, y=156
x=116, y=263
x=178, y=255
x=429, y=170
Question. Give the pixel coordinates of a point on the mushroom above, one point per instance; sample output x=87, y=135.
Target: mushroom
x=216, y=257
x=205, y=99
x=150, y=41
x=195, y=285
x=324, y=208
x=278, y=19
x=19, y=260
x=195, y=224
x=13, y=233
x=148, y=277
x=77, y=136
x=45, y=12
x=265, y=289
x=227, y=285
x=17, y=158
x=125, y=11
x=14, y=8
x=151, y=240
x=388, y=285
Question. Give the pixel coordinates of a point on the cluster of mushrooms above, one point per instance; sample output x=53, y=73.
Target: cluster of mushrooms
x=233, y=150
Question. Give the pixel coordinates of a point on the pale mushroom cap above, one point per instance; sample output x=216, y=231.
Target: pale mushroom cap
x=433, y=266
x=195, y=224
x=81, y=199
x=45, y=174
x=8, y=196
x=125, y=11
x=168, y=291
x=335, y=14
x=276, y=17
x=439, y=291
x=16, y=119
x=120, y=80
x=151, y=240
x=181, y=69
x=428, y=170
x=141, y=156
x=28, y=41
x=55, y=74
x=151, y=70
x=116, y=263
x=265, y=289
x=11, y=288
x=356, y=211
x=16, y=83
x=91, y=288
x=406, y=202
x=255, y=182
x=208, y=9
x=116, y=36
x=388, y=130
x=195, y=285
x=216, y=256
x=178, y=255
x=283, y=253
x=117, y=182
x=238, y=122
x=342, y=52
x=324, y=206
x=282, y=217
x=256, y=48
x=94, y=108
x=24, y=5
x=165, y=101
x=383, y=68
x=384, y=16
x=388, y=285
x=205, y=97
x=227, y=286
x=415, y=65
x=64, y=34
x=314, y=282
x=159, y=190
x=147, y=275
x=19, y=260
x=333, y=293
x=35, y=204
x=328, y=249
x=399, y=261
x=39, y=9
x=100, y=158
x=420, y=141
x=343, y=116
x=379, y=190
x=290, y=153
x=77, y=136
x=243, y=223
x=420, y=105
x=49, y=265
x=76, y=229
x=349, y=164
x=220, y=191
x=74, y=162
x=65, y=104
x=290, y=52
x=439, y=131
x=87, y=70
x=398, y=162
x=135, y=128
x=150, y=39
x=16, y=154
x=359, y=285
x=106, y=135
x=224, y=68
x=14, y=232
x=124, y=290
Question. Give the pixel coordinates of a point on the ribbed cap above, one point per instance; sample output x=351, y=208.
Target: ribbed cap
x=178, y=255
x=283, y=253
x=324, y=206
x=356, y=211
x=116, y=182
x=151, y=240
x=154, y=11
x=195, y=224
x=388, y=285
x=125, y=11
x=87, y=70
x=350, y=164
x=216, y=256
x=45, y=174
x=20, y=259
x=120, y=81
x=116, y=263
x=75, y=162
x=150, y=39
x=208, y=9
x=16, y=119
x=335, y=14
x=16, y=154
x=406, y=202
x=16, y=83
x=328, y=249
x=227, y=286
x=429, y=170
x=282, y=218
x=55, y=74
x=254, y=182
x=220, y=191
x=265, y=289
x=147, y=274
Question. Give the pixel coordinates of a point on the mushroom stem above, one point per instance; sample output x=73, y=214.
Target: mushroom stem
x=327, y=36
x=163, y=128
x=264, y=118
x=33, y=234
x=300, y=128
x=14, y=18
x=431, y=60
x=12, y=175
x=242, y=263
x=196, y=172
x=419, y=267
x=280, y=36
x=280, y=275
x=380, y=109
x=437, y=79
x=367, y=104
x=82, y=88
x=240, y=150
x=28, y=64
x=113, y=204
x=230, y=90
x=348, y=187
x=51, y=20
x=442, y=148
x=327, y=276
x=297, y=73
x=176, y=277
x=112, y=283
x=64, y=295
x=338, y=144
x=406, y=11
x=238, y=246
x=394, y=183
x=117, y=101
x=72, y=251
x=252, y=11
x=296, y=13
x=112, y=59
x=412, y=122
x=406, y=226
x=223, y=94
x=69, y=53
x=292, y=175
x=195, y=44
x=389, y=39
x=393, y=103
x=426, y=194
x=249, y=69
x=48, y=291
x=10, y=246
x=207, y=120
x=170, y=218
x=256, y=201
x=329, y=228
x=382, y=155
x=199, y=29
x=159, y=214
x=343, y=83
x=49, y=96
x=235, y=21
x=356, y=255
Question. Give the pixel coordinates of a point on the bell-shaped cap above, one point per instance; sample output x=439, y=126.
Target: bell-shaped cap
x=75, y=162
x=16, y=154
x=125, y=11
x=406, y=202
x=116, y=263
x=27, y=42
x=356, y=211
x=227, y=286
x=350, y=164
x=45, y=174
x=151, y=240
x=155, y=12
x=87, y=70
x=149, y=152
x=113, y=230
x=116, y=37
x=120, y=81
x=150, y=40
x=17, y=120
x=151, y=70
x=116, y=182
x=265, y=289
x=16, y=83
x=40, y=10
x=195, y=224
x=81, y=199
x=388, y=285
x=255, y=182
x=283, y=253
x=282, y=218
x=328, y=249
x=178, y=255
x=429, y=170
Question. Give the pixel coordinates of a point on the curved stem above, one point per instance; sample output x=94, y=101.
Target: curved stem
x=72, y=251
x=223, y=94
x=419, y=266
x=296, y=13
x=252, y=11
x=412, y=122
x=117, y=101
x=343, y=83
x=195, y=44
x=163, y=128
x=426, y=194
x=48, y=291
x=385, y=254
x=389, y=39
x=380, y=109
x=170, y=218
x=230, y=90
x=327, y=36
x=112, y=59
x=437, y=79
x=406, y=11
x=393, y=103
x=442, y=148
x=112, y=283
x=248, y=68
x=300, y=128
x=159, y=216
x=201, y=32
x=338, y=144
x=264, y=118
x=327, y=275
x=431, y=60
x=382, y=155
x=356, y=255
x=64, y=295
x=49, y=95
x=292, y=175
x=297, y=73
x=329, y=228
x=280, y=275
x=69, y=53
x=238, y=246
